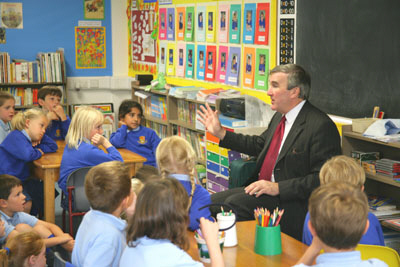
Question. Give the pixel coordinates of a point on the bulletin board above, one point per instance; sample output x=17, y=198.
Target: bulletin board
x=232, y=28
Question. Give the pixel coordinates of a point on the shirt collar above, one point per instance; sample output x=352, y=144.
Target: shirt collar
x=8, y=218
x=292, y=114
x=133, y=130
x=84, y=139
x=180, y=177
x=26, y=134
x=349, y=257
x=5, y=125
x=117, y=222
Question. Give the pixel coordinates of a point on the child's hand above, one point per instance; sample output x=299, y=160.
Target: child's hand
x=209, y=229
x=98, y=140
x=120, y=123
x=52, y=116
x=59, y=111
x=69, y=246
x=35, y=143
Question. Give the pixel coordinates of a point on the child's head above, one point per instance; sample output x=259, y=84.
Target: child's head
x=233, y=59
x=25, y=249
x=33, y=121
x=201, y=54
x=234, y=15
x=131, y=113
x=175, y=155
x=161, y=217
x=209, y=55
x=248, y=14
x=7, y=106
x=147, y=173
x=11, y=197
x=85, y=123
x=342, y=168
x=108, y=186
x=49, y=97
x=200, y=16
x=338, y=214
x=248, y=59
x=262, y=15
x=180, y=53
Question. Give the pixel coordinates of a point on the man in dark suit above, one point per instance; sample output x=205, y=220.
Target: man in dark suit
x=290, y=153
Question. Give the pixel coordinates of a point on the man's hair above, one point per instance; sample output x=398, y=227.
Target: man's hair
x=107, y=184
x=4, y=96
x=297, y=77
x=49, y=90
x=147, y=173
x=338, y=213
x=7, y=183
x=126, y=107
x=342, y=168
x=161, y=213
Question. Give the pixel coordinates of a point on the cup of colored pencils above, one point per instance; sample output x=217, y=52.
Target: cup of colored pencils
x=268, y=231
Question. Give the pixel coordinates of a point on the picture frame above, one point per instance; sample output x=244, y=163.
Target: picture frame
x=93, y=9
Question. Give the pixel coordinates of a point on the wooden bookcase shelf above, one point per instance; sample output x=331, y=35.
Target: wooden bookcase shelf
x=375, y=184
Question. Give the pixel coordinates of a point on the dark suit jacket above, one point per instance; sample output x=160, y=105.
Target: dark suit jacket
x=312, y=140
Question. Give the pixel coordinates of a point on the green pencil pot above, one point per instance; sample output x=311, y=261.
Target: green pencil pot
x=268, y=240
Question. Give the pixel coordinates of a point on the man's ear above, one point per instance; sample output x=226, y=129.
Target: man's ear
x=3, y=203
x=295, y=92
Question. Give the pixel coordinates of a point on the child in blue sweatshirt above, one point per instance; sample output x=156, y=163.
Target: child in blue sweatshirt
x=81, y=144
x=176, y=158
x=49, y=98
x=133, y=136
x=25, y=144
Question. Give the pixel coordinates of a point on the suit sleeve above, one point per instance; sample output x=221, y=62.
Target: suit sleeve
x=118, y=139
x=323, y=142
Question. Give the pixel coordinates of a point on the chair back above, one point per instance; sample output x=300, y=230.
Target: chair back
x=385, y=254
x=77, y=180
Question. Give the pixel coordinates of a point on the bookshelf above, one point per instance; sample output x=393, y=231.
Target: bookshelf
x=23, y=78
x=375, y=183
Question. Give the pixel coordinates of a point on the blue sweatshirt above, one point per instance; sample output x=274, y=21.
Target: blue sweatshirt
x=201, y=197
x=143, y=141
x=86, y=155
x=57, y=130
x=16, y=152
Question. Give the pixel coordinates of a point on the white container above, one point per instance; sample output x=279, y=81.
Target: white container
x=230, y=235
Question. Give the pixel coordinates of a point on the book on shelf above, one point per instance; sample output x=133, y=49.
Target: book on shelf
x=23, y=96
x=393, y=223
x=194, y=138
x=203, y=95
x=232, y=122
x=158, y=107
x=380, y=203
x=160, y=129
x=388, y=167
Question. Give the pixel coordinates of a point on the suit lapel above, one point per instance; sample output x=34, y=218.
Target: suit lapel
x=297, y=128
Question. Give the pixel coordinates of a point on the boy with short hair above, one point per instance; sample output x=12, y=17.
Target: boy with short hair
x=101, y=240
x=16, y=221
x=346, y=169
x=338, y=212
x=49, y=98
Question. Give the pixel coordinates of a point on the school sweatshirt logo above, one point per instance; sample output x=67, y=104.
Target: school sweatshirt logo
x=142, y=140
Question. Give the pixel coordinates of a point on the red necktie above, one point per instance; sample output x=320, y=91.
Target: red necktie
x=273, y=151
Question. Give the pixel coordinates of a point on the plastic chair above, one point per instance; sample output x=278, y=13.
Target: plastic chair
x=78, y=203
x=59, y=261
x=386, y=254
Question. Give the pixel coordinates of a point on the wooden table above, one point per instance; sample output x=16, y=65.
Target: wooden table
x=47, y=168
x=243, y=254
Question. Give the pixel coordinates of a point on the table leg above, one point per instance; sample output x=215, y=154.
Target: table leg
x=49, y=202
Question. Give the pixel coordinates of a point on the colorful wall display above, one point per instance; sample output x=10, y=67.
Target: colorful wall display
x=90, y=47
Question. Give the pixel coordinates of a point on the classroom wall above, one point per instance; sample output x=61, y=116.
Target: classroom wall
x=49, y=25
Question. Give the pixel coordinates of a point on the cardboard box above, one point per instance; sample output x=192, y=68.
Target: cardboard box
x=360, y=125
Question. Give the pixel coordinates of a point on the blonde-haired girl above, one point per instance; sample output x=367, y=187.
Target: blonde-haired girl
x=82, y=141
x=24, y=250
x=176, y=158
x=25, y=144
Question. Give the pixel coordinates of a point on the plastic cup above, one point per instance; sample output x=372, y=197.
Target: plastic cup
x=230, y=235
x=203, y=249
x=268, y=240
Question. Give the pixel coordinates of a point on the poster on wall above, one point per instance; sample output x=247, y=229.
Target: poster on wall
x=200, y=24
x=180, y=63
x=211, y=59
x=233, y=67
x=222, y=62
x=161, y=61
x=190, y=53
x=262, y=67
x=142, y=44
x=189, y=23
x=223, y=23
x=211, y=27
x=249, y=18
x=248, y=65
x=201, y=64
x=171, y=24
x=162, y=32
x=11, y=15
x=234, y=29
x=171, y=59
x=262, y=24
x=93, y=9
x=90, y=47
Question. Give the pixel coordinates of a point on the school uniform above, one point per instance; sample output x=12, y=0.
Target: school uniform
x=373, y=236
x=201, y=197
x=5, y=129
x=100, y=240
x=142, y=140
x=261, y=67
x=344, y=259
x=86, y=155
x=16, y=151
x=234, y=25
x=156, y=252
x=262, y=24
x=248, y=68
x=17, y=218
x=57, y=129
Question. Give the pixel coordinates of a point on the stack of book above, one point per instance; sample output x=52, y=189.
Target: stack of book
x=208, y=95
x=389, y=168
x=186, y=111
x=383, y=208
